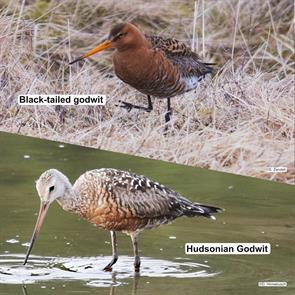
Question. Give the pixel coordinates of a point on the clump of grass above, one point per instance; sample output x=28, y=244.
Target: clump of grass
x=240, y=121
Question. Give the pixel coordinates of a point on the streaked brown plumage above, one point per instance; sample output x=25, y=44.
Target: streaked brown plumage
x=115, y=200
x=156, y=66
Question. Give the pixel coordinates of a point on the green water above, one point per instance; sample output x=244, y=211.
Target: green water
x=256, y=211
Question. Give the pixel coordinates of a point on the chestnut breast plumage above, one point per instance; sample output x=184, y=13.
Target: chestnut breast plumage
x=148, y=71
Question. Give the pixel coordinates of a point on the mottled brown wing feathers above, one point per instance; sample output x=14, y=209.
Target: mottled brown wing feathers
x=142, y=196
x=181, y=56
x=149, y=199
x=170, y=46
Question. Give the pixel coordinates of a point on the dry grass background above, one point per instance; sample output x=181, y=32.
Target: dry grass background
x=240, y=121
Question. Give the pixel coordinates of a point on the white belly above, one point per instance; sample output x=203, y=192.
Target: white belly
x=191, y=82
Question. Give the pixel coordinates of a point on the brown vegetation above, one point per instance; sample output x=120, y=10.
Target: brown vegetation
x=240, y=121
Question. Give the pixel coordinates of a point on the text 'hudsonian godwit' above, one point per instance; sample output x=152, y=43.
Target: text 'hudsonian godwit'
x=156, y=66
x=115, y=200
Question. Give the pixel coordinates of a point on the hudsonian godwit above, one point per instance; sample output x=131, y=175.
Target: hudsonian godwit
x=118, y=201
x=156, y=66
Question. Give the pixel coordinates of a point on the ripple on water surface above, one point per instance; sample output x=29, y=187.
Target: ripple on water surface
x=89, y=269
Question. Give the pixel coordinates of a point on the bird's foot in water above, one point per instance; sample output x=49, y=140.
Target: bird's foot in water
x=108, y=268
x=129, y=106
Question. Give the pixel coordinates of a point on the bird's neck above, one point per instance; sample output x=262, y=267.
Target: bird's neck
x=69, y=200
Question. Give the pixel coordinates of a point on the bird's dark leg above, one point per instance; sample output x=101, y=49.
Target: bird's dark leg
x=169, y=111
x=135, y=250
x=129, y=106
x=115, y=251
x=150, y=104
x=167, y=115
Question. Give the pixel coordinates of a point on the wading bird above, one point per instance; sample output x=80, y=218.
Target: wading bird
x=115, y=200
x=156, y=66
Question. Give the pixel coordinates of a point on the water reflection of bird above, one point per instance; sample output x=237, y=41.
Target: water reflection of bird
x=113, y=285
x=24, y=290
x=135, y=281
x=156, y=66
x=115, y=200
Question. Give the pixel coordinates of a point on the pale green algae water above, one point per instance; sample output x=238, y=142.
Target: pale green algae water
x=70, y=253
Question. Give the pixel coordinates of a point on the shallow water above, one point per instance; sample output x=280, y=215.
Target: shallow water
x=89, y=269
x=70, y=254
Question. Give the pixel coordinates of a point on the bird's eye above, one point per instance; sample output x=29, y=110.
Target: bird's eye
x=121, y=35
x=51, y=188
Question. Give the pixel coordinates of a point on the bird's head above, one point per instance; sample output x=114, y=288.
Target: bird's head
x=123, y=36
x=51, y=185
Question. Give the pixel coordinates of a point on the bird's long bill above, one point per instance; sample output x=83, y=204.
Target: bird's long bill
x=105, y=45
x=41, y=216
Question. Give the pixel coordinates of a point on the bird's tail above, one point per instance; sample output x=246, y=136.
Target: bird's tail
x=194, y=209
x=209, y=68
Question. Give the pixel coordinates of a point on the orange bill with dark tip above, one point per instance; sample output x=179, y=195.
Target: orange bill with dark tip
x=41, y=216
x=105, y=45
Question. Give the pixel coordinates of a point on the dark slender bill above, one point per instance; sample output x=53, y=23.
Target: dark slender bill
x=105, y=45
x=41, y=216
x=75, y=60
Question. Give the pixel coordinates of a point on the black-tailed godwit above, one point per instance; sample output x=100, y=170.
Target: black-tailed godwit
x=156, y=66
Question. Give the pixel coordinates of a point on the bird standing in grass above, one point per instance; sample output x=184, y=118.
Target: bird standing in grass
x=115, y=200
x=154, y=65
